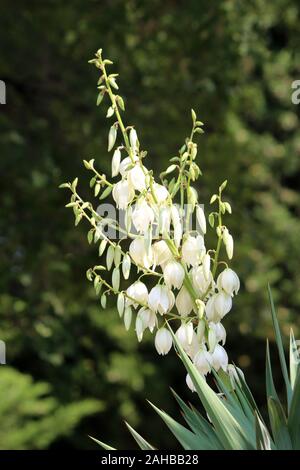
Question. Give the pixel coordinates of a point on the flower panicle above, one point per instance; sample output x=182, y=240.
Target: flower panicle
x=193, y=287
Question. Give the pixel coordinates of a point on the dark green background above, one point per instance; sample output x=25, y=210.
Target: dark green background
x=71, y=368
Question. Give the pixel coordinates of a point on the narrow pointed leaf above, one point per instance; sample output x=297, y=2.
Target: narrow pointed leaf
x=142, y=443
x=263, y=440
x=271, y=390
x=294, y=359
x=294, y=415
x=280, y=347
x=187, y=438
x=279, y=425
x=102, y=444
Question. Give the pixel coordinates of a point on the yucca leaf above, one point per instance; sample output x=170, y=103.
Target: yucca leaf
x=278, y=423
x=280, y=348
x=187, y=438
x=142, y=443
x=237, y=405
x=294, y=415
x=294, y=359
x=263, y=440
x=270, y=387
x=102, y=444
x=229, y=430
x=246, y=391
x=198, y=424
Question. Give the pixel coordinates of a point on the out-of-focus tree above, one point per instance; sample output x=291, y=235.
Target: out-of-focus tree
x=232, y=61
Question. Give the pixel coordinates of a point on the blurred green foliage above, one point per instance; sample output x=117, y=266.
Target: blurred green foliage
x=233, y=62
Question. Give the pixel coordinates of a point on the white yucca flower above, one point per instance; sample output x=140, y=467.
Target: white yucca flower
x=145, y=319
x=185, y=335
x=139, y=254
x=161, y=193
x=189, y=383
x=184, y=302
x=123, y=193
x=138, y=294
x=173, y=274
x=161, y=253
x=193, y=250
x=228, y=281
x=220, y=332
x=218, y=306
x=142, y=216
x=219, y=358
x=163, y=341
x=137, y=178
x=127, y=164
x=161, y=299
x=203, y=361
x=148, y=318
x=200, y=282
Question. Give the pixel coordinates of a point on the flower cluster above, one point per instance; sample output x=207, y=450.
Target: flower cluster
x=179, y=282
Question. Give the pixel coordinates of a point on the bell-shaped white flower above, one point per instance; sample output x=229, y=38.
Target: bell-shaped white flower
x=161, y=299
x=148, y=318
x=137, y=293
x=127, y=164
x=185, y=335
x=218, y=306
x=142, y=216
x=203, y=361
x=139, y=254
x=173, y=274
x=193, y=250
x=163, y=341
x=195, y=346
x=219, y=358
x=200, y=282
x=184, y=302
x=161, y=193
x=228, y=281
x=201, y=219
x=220, y=333
x=144, y=319
x=123, y=193
x=137, y=178
x=161, y=253
x=189, y=383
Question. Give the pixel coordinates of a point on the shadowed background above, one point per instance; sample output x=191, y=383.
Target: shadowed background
x=72, y=370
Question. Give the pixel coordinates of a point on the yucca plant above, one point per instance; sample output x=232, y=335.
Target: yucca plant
x=234, y=421
x=155, y=234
